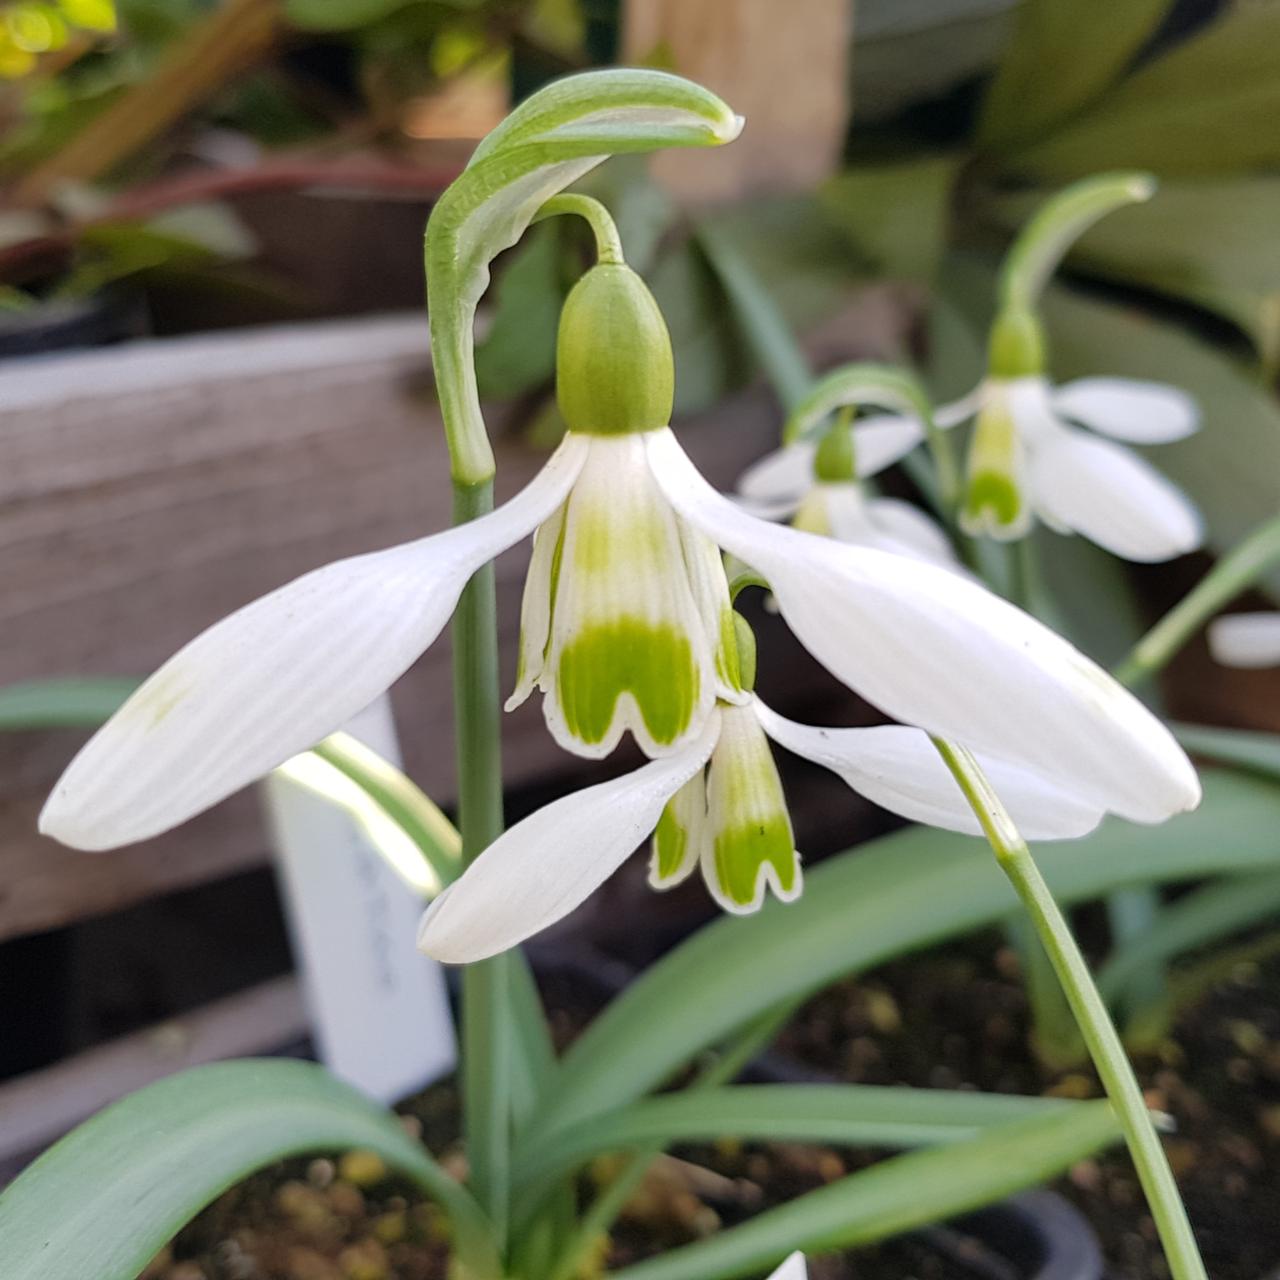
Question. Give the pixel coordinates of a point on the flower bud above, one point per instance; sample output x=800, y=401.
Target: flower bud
x=614, y=369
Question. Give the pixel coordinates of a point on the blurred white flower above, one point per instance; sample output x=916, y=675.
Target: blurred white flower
x=1246, y=639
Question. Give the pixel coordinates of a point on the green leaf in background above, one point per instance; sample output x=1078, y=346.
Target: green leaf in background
x=1243, y=748
x=518, y=353
x=102, y=1202
x=893, y=1196
x=1211, y=242
x=846, y=1115
x=1060, y=58
x=892, y=896
x=800, y=259
x=339, y=15
x=1208, y=106
x=895, y=215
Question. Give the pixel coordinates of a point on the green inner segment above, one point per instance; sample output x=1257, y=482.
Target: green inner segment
x=670, y=843
x=742, y=849
x=654, y=662
x=993, y=491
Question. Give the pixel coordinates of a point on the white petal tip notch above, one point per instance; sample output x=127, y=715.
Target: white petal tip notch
x=1246, y=640
x=278, y=675
x=542, y=868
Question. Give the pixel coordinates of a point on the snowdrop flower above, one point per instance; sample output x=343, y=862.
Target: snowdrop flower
x=718, y=807
x=1031, y=456
x=1246, y=639
x=626, y=625
x=815, y=481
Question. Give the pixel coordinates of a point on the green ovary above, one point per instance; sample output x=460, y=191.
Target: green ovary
x=743, y=848
x=653, y=662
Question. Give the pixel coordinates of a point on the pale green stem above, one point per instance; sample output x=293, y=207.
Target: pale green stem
x=487, y=1030
x=608, y=242
x=1114, y=1070
x=1238, y=569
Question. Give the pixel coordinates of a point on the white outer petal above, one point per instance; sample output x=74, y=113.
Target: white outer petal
x=1113, y=497
x=275, y=677
x=881, y=439
x=791, y=1268
x=909, y=527
x=1127, y=409
x=932, y=649
x=899, y=769
x=1246, y=639
x=786, y=474
x=538, y=871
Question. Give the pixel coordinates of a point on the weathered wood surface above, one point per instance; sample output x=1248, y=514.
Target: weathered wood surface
x=785, y=68
x=146, y=491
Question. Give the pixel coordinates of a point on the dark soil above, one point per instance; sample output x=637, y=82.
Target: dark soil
x=953, y=1019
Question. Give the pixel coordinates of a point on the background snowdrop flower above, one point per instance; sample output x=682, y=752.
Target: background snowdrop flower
x=822, y=494
x=717, y=807
x=1027, y=458
x=1246, y=639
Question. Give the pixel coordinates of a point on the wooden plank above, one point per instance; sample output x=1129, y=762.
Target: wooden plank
x=786, y=69
x=146, y=491
x=41, y=1106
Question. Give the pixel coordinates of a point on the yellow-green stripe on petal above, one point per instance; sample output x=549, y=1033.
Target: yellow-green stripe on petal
x=749, y=842
x=995, y=500
x=628, y=649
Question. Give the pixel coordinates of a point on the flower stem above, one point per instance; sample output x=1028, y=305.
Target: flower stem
x=487, y=1044
x=1240, y=568
x=1114, y=1069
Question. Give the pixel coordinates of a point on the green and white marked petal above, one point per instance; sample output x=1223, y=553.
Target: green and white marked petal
x=899, y=769
x=995, y=501
x=749, y=845
x=1113, y=497
x=628, y=647
x=535, y=607
x=677, y=839
x=280, y=674
x=934, y=649
x=710, y=589
x=1246, y=639
x=1127, y=409
x=539, y=870
x=814, y=513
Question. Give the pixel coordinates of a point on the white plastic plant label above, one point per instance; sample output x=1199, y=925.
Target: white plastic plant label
x=378, y=1007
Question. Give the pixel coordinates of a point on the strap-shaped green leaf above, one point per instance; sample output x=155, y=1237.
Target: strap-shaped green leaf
x=896, y=1195
x=552, y=139
x=863, y=1115
x=101, y=1202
